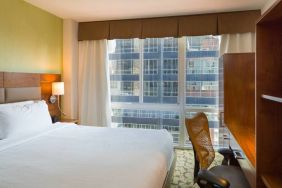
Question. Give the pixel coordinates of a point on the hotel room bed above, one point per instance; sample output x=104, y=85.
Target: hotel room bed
x=35, y=153
x=71, y=156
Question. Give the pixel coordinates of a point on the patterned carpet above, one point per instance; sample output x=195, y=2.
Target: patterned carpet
x=184, y=169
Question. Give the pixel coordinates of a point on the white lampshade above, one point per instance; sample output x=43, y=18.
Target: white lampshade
x=58, y=88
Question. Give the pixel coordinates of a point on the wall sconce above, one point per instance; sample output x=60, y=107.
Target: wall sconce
x=58, y=88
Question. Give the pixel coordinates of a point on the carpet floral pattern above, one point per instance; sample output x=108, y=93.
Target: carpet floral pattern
x=184, y=169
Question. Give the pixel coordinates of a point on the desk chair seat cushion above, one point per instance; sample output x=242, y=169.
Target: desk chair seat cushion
x=233, y=174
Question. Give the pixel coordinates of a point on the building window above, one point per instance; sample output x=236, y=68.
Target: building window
x=151, y=89
x=151, y=45
x=170, y=89
x=114, y=85
x=160, y=65
x=170, y=45
x=202, y=71
x=126, y=46
x=170, y=66
x=121, y=67
x=153, y=86
x=150, y=66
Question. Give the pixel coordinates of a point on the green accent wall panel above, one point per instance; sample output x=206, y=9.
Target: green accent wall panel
x=30, y=39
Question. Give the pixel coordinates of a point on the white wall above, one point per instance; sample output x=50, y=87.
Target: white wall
x=267, y=5
x=70, y=66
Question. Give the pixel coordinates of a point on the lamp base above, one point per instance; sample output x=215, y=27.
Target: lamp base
x=53, y=99
x=55, y=119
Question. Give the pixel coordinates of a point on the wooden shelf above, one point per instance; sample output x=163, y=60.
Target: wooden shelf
x=272, y=181
x=268, y=98
x=272, y=98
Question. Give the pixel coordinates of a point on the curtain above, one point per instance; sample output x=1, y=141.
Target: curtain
x=94, y=84
x=237, y=43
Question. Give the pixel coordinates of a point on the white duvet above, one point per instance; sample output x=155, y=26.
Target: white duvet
x=70, y=156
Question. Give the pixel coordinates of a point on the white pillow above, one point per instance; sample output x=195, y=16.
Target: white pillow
x=16, y=103
x=19, y=120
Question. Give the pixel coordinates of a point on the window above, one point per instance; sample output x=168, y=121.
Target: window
x=114, y=85
x=170, y=45
x=150, y=66
x=124, y=67
x=151, y=45
x=202, y=80
x=126, y=46
x=170, y=89
x=148, y=119
x=170, y=66
x=130, y=66
x=151, y=89
x=202, y=71
x=156, y=83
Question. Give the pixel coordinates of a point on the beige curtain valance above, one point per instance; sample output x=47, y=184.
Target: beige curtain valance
x=176, y=26
x=122, y=29
x=160, y=27
x=237, y=22
x=93, y=30
x=198, y=25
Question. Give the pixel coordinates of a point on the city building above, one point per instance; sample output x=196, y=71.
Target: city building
x=145, y=83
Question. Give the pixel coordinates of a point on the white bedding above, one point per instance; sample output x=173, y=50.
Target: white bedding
x=70, y=156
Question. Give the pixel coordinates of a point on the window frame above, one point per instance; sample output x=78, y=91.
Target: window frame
x=179, y=107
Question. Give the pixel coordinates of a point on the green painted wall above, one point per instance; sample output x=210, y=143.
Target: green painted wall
x=30, y=39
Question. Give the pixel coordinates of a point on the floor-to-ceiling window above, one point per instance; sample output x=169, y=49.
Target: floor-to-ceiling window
x=201, y=72
x=156, y=83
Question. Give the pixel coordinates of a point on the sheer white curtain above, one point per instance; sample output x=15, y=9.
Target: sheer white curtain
x=94, y=84
x=238, y=43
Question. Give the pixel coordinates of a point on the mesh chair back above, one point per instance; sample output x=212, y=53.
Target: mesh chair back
x=199, y=134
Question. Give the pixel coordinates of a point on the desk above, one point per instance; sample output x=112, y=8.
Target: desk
x=245, y=164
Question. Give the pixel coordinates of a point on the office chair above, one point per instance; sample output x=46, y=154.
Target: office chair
x=222, y=176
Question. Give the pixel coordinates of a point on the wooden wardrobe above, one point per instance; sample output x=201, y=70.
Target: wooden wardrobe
x=253, y=101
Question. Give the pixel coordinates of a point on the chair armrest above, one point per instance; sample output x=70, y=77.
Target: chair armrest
x=225, y=152
x=207, y=178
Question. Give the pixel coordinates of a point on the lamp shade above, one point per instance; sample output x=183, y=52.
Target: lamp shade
x=58, y=88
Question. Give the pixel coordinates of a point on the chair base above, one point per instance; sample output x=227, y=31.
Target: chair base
x=233, y=174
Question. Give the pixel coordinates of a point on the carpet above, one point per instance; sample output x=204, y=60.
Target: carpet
x=184, y=169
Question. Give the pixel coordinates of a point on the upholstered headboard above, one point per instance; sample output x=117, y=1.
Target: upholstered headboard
x=16, y=87
x=20, y=87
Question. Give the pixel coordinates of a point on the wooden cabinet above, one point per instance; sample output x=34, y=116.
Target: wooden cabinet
x=253, y=100
x=239, y=100
x=238, y=82
x=268, y=93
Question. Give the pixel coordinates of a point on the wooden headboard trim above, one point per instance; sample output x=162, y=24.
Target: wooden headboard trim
x=22, y=81
x=1, y=79
x=2, y=95
x=19, y=80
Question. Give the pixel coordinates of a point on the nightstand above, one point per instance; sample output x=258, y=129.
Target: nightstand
x=64, y=120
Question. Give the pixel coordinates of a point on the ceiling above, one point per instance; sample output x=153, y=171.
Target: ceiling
x=94, y=10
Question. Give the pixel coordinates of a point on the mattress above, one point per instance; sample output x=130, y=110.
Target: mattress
x=71, y=156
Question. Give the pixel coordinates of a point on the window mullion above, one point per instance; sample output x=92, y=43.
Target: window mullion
x=181, y=89
x=141, y=46
x=161, y=89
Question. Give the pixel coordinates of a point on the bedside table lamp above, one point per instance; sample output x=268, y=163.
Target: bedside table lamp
x=57, y=90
